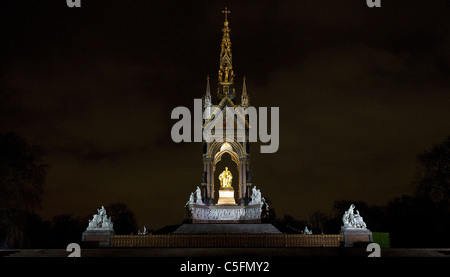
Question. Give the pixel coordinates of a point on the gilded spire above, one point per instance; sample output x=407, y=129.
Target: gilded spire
x=226, y=74
x=207, y=102
x=245, y=99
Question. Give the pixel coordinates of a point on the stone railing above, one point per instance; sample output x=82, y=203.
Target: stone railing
x=234, y=240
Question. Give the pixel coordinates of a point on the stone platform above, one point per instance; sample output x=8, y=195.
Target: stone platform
x=226, y=228
x=226, y=213
x=355, y=236
x=95, y=238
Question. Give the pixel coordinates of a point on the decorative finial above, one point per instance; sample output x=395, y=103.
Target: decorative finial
x=245, y=99
x=207, y=99
x=226, y=12
x=208, y=95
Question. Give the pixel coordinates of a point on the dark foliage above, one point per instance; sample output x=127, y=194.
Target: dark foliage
x=22, y=179
x=418, y=220
x=123, y=219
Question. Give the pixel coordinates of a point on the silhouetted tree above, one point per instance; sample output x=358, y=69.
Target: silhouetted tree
x=432, y=193
x=404, y=217
x=123, y=219
x=423, y=219
x=433, y=174
x=318, y=221
x=22, y=178
x=66, y=229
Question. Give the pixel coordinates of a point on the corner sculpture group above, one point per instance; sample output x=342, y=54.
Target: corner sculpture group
x=353, y=220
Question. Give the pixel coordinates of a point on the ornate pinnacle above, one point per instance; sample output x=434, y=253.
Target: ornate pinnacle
x=245, y=99
x=226, y=74
x=207, y=102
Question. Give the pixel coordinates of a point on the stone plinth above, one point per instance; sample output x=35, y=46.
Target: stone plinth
x=226, y=214
x=356, y=236
x=226, y=197
x=97, y=238
x=208, y=229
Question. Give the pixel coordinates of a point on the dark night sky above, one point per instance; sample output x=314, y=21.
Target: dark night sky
x=361, y=91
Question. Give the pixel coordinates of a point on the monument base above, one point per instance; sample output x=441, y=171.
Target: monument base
x=226, y=197
x=223, y=228
x=97, y=238
x=226, y=213
x=356, y=236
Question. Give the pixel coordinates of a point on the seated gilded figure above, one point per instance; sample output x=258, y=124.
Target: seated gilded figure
x=225, y=179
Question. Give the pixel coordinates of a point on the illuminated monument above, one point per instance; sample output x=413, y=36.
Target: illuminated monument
x=240, y=206
x=228, y=139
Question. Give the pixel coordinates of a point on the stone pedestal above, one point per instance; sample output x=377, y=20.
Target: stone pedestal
x=226, y=228
x=226, y=197
x=226, y=214
x=356, y=236
x=99, y=231
x=97, y=238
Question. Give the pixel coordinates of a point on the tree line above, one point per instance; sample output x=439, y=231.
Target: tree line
x=22, y=181
x=421, y=219
x=418, y=220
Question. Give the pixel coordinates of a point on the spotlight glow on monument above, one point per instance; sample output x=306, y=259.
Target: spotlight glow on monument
x=226, y=130
x=226, y=192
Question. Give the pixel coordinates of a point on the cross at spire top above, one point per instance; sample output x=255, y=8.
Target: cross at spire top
x=226, y=12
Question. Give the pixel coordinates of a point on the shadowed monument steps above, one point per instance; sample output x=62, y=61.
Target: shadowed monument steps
x=226, y=228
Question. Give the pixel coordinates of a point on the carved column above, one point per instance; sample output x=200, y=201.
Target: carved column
x=244, y=186
x=211, y=181
x=208, y=181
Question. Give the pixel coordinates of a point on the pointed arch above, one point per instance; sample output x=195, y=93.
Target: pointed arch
x=215, y=148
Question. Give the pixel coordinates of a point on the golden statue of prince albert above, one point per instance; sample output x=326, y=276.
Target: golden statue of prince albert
x=225, y=179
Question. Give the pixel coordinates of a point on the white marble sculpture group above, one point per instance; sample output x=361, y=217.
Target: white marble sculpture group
x=198, y=197
x=353, y=220
x=145, y=232
x=256, y=196
x=252, y=212
x=100, y=221
x=306, y=231
x=257, y=199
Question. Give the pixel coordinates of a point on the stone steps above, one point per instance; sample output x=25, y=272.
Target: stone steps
x=40, y=253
